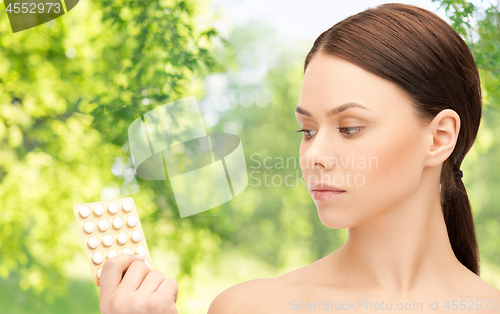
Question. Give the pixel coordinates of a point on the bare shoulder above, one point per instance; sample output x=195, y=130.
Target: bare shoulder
x=487, y=289
x=252, y=296
x=477, y=287
x=268, y=295
x=487, y=293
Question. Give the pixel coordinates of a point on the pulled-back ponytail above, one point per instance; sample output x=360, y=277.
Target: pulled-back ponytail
x=418, y=51
x=460, y=225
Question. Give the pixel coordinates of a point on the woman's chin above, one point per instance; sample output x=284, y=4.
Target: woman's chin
x=335, y=220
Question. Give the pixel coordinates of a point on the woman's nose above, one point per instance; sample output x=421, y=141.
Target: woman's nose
x=320, y=153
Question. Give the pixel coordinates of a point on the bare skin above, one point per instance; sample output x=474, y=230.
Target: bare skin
x=128, y=286
x=398, y=249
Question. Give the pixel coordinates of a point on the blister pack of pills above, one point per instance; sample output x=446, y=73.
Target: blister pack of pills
x=109, y=228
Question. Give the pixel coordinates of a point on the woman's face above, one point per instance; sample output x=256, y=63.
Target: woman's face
x=377, y=156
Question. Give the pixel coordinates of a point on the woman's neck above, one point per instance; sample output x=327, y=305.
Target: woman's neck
x=403, y=250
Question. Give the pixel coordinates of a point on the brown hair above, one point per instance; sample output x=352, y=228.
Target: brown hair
x=418, y=51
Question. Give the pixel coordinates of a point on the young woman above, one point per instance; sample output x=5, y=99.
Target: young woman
x=396, y=89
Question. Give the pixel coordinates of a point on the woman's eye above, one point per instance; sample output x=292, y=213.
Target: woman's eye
x=307, y=133
x=349, y=131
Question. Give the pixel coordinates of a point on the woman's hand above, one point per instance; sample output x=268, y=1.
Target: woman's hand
x=141, y=290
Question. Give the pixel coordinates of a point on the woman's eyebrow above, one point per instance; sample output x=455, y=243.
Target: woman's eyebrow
x=333, y=111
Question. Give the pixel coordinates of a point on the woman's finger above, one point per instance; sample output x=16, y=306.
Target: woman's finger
x=134, y=276
x=112, y=272
x=168, y=288
x=151, y=282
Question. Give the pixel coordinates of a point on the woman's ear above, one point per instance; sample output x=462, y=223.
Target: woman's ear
x=443, y=130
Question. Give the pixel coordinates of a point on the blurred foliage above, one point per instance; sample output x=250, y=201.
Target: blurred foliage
x=460, y=13
x=64, y=120
x=63, y=140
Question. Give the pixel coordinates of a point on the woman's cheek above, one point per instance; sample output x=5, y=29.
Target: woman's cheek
x=395, y=174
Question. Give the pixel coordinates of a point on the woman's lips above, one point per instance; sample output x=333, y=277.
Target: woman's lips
x=323, y=195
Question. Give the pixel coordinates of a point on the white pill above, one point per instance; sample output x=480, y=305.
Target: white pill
x=97, y=258
x=99, y=273
x=136, y=236
x=107, y=240
x=84, y=211
x=140, y=250
x=131, y=221
x=147, y=264
x=121, y=238
x=89, y=227
x=111, y=253
x=112, y=208
x=127, y=206
x=92, y=242
x=103, y=225
x=98, y=210
x=117, y=223
x=126, y=251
